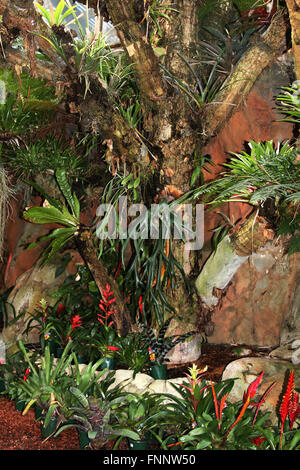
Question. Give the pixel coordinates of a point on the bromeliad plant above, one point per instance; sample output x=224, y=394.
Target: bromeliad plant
x=107, y=341
x=290, y=407
x=94, y=415
x=140, y=414
x=133, y=353
x=159, y=345
x=46, y=382
x=212, y=423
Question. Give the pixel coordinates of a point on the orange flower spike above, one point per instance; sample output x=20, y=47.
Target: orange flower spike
x=215, y=400
x=218, y=409
x=254, y=385
x=250, y=394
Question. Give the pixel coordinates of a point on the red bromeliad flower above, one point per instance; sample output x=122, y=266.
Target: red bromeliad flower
x=76, y=321
x=112, y=348
x=105, y=306
x=218, y=408
x=290, y=405
x=175, y=444
x=141, y=306
x=258, y=440
x=60, y=309
x=294, y=409
x=26, y=374
x=251, y=391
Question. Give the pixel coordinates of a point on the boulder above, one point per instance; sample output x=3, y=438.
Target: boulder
x=35, y=284
x=262, y=301
x=142, y=383
x=246, y=370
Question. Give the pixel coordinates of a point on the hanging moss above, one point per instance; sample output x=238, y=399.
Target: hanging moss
x=5, y=194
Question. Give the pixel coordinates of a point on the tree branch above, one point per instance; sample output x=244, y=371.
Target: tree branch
x=139, y=51
x=238, y=85
x=294, y=13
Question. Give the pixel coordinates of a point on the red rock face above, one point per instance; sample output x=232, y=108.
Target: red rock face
x=258, y=302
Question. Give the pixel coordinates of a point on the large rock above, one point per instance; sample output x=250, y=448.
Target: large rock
x=35, y=284
x=262, y=301
x=247, y=369
x=143, y=383
x=185, y=351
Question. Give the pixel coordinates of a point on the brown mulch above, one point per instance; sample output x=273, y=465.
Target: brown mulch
x=18, y=432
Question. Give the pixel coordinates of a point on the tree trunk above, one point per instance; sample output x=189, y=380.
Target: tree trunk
x=294, y=13
x=86, y=247
x=240, y=82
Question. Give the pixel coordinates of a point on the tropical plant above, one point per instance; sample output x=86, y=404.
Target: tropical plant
x=58, y=15
x=289, y=102
x=59, y=213
x=44, y=157
x=44, y=384
x=159, y=345
x=265, y=173
x=107, y=341
x=13, y=371
x=206, y=88
x=93, y=415
x=209, y=422
x=133, y=353
x=140, y=414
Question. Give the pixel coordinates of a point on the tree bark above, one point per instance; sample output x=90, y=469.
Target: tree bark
x=86, y=247
x=139, y=51
x=294, y=14
x=239, y=83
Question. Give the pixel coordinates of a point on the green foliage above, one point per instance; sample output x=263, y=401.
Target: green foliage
x=94, y=416
x=31, y=91
x=289, y=102
x=44, y=157
x=205, y=89
x=133, y=353
x=266, y=172
x=58, y=15
x=45, y=383
x=152, y=267
x=226, y=47
x=139, y=414
x=59, y=213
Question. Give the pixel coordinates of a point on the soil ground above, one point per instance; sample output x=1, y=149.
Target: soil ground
x=18, y=432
